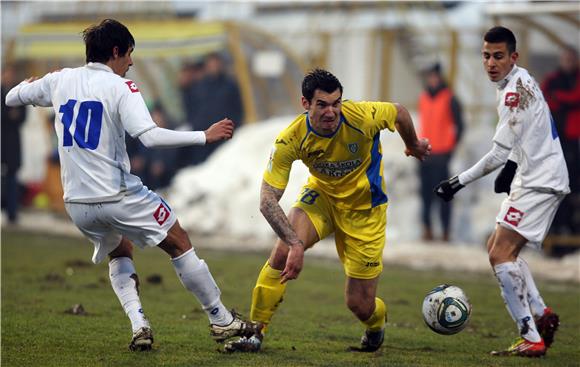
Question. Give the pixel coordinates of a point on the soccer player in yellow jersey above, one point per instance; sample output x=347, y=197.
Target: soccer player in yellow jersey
x=345, y=195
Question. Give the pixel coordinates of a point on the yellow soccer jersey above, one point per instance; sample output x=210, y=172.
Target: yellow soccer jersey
x=346, y=165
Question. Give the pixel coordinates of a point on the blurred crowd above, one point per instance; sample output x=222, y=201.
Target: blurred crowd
x=209, y=93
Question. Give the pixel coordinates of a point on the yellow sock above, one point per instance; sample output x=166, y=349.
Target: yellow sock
x=267, y=295
x=377, y=320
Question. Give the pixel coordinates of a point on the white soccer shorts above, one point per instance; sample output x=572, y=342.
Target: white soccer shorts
x=530, y=213
x=142, y=217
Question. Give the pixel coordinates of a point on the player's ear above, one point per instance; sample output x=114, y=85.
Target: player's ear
x=115, y=52
x=305, y=103
x=514, y=57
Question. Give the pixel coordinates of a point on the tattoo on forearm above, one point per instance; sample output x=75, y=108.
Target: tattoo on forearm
x=274, y=214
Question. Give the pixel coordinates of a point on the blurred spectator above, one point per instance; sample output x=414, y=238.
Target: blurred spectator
x=189, y=80
x=155, y=166
x=52, y=184
x=441, y=122
x=219, y=98
x=12, y=120
x=562, y=92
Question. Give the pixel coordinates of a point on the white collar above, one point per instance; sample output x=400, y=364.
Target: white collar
x=502, y=83
x=99, y=66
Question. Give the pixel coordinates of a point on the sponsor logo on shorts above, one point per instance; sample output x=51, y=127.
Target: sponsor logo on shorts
x=373, y=264
x=132, y=86
x=161, y=214
x=512, y=99
x=513, y=216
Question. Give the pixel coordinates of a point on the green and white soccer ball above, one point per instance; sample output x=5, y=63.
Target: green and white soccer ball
x=446, y=309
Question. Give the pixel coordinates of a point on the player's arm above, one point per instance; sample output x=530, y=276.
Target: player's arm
x=32, y=91
x=272, y=211
x=137, y=121
x=418, y=148
x=495, y=158
x=158, y=137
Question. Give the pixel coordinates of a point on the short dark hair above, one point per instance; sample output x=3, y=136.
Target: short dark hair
x=500, y=35
x=319, y=79
x=100, y=40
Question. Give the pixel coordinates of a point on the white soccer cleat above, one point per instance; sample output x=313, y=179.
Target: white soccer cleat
x=142, y=340
x=238, y=327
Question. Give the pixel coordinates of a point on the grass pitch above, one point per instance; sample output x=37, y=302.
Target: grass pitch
x=43, y=276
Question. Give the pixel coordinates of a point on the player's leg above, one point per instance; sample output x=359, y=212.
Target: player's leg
x=91, y=221
x=125, y=283
x=370, y=310
x=195, y=276
x=526, y=216
x=360, y=239
x=504, y=251
x=269, y=292
x=148, y=221
x=310, y=219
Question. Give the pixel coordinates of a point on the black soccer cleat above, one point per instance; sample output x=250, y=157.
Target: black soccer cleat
x=370, y=342
x=547, y=326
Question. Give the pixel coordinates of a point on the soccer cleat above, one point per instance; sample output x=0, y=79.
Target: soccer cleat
x=523, y=348
x=238, y=327
x=371, y=341
x=547, y=326
x=244, y=344
x=142, y=340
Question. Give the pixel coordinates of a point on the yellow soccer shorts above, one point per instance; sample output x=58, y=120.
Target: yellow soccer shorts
x=359, y=234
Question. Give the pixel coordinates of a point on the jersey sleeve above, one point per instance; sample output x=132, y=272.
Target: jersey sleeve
x=38, y=92
x=282, y=156
x=133, y=111
x=374, y=116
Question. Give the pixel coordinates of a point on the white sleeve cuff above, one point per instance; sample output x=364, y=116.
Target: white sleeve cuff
x=164, y=138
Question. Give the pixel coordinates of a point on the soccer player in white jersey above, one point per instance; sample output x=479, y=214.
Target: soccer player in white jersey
x=94, y=106
x=526, y=133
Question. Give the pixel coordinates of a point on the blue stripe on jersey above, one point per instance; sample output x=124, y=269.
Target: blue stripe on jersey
x=378, y=196
x=165, y=203
x=554, y=130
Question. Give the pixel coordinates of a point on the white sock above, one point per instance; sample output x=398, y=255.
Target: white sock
x=514, y=293
x=537, y=304
x=195, y=277
x=125, y=284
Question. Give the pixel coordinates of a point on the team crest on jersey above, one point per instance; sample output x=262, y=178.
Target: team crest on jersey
x=132, y=86
x=162, y=213
x=512, y=99
x=513, y=216
x=353, y=147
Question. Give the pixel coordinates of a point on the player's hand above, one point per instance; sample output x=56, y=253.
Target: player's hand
x=505, y=177
x=221, y=130
x=294, y=263
x=421, y=150
x=446, y=189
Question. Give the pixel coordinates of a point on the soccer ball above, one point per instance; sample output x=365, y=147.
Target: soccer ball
x=446, y=309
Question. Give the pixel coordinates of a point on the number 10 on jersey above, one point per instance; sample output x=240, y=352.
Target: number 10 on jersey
x=90, y=116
